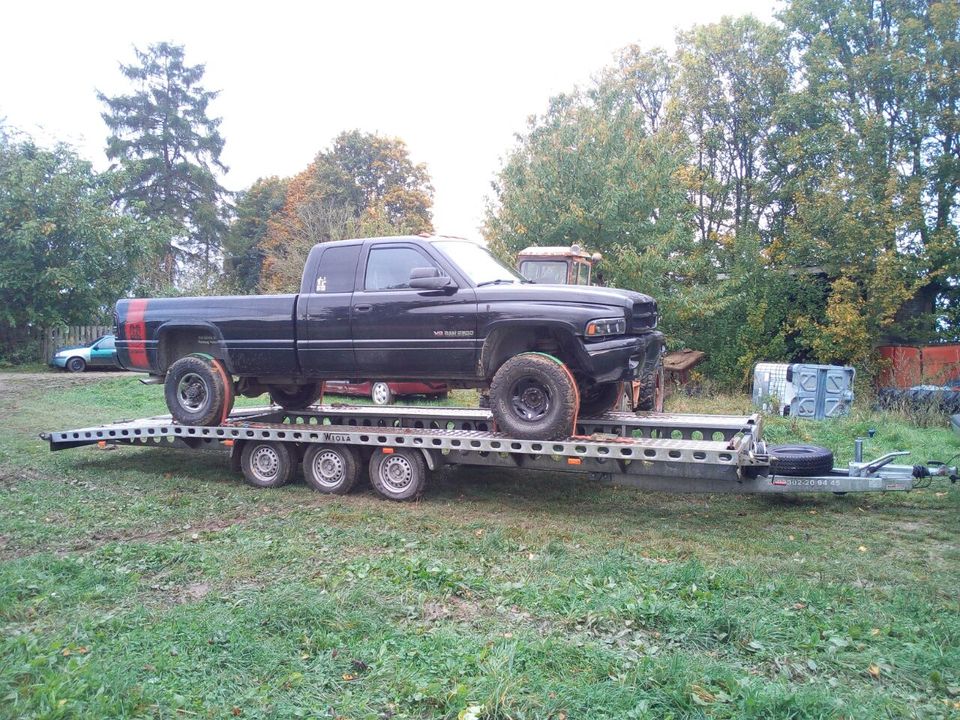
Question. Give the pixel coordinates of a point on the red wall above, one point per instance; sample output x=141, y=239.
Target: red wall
x=929, y=365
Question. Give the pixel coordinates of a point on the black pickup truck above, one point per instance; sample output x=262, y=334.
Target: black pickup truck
x=401, y=308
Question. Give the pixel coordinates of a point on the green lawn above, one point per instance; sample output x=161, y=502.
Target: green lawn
x=154, y=583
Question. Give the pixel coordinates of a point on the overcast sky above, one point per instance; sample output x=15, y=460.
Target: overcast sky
x=455, y=80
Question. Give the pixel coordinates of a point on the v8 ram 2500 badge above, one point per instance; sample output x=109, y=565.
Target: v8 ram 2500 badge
x=401, y=308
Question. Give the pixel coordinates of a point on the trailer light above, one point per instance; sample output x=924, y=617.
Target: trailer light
x=227, y=443
x=574, y=461
x=603, y=327
x=388, y=451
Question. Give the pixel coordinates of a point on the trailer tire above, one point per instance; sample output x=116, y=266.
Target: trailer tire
x=331, y=469
x=598, y=399
x=295, y=397
x=267, y=464
x=800, y=460
x=533, y=397
x=398, y=475
x=195, y=391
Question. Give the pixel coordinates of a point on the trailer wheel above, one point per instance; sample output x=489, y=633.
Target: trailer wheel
x=196, y=391
x=534, y=397
x=267, y=464
x=331, y=468
x=800, y=460
x=398, y=475
x=295, y=397
x=598, y=399
x=652, y=390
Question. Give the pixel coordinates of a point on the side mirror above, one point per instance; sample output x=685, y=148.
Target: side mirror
x=430, y=279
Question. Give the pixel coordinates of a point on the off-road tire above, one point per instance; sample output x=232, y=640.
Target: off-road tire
x=75, y=365
x=295, y=397
x=598, y=399
x=800, y=460
x=195, y=392
x=533, y=397
x=652, y=391
x=267, y=464
x=331, y=469
x=399, y=475
x=381, y=394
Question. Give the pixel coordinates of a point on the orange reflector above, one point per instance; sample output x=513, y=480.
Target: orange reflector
x=102, y=443
x=574, y=461
x=388, y=451
x=227, y=443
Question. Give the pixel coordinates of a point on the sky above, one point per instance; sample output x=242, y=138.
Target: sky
x=455, y=80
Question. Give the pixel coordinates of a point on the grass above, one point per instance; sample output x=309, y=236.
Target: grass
x=154, y=583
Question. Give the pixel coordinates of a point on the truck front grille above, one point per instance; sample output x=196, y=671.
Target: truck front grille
x=644, y=317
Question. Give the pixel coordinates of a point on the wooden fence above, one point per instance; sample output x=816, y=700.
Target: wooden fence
x=42, y=343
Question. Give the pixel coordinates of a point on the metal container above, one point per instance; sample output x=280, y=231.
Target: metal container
x=803, y=390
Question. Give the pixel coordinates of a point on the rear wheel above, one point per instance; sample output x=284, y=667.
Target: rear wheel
x=295, y=397
x=534, y=396
x=598, y=399
x=330, y=468
x=76, y=364
x=381, y=394
x=267, y=464
x=398, y=474
x=196, y=391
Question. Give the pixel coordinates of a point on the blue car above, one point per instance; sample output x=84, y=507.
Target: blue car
x=101, y=353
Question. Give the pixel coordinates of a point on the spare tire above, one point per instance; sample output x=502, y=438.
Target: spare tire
x=800, y=460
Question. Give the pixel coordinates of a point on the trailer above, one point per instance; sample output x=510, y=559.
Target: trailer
x=399, y=446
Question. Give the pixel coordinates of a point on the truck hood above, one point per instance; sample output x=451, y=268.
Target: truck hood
x=564, y=294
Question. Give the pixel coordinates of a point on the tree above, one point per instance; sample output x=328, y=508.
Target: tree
x=363, y=186
x=65, y=254
x=243, y=243
x=169, y=151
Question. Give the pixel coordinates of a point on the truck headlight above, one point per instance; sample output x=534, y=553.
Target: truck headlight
x=605, y=326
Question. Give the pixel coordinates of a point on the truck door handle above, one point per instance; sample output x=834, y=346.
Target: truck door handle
x=363, y=308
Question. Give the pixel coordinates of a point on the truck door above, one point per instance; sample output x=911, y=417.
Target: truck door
x=403, y=332
x=324, y=339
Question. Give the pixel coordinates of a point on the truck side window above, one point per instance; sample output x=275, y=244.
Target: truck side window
x=336, y=269
x=388, y=268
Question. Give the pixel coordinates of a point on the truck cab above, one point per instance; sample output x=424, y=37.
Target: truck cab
x=559, y=265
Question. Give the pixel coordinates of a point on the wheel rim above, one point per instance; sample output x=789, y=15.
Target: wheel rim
x=381, y=393
x=192, y=392
x=530, y=399
x=396, y=473
x=265, y=463
x=76, y=364
x=328, y=469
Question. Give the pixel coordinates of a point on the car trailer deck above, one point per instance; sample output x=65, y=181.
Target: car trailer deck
x=656, y=451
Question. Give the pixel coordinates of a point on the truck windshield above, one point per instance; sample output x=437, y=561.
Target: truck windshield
x=477, y=263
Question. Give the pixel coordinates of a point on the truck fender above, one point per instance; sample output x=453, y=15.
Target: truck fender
x=210, y=342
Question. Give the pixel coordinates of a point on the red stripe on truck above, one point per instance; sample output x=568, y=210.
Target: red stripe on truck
x=135, y=330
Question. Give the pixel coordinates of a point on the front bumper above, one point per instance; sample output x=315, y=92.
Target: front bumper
x=56, y=361
x=624, y=358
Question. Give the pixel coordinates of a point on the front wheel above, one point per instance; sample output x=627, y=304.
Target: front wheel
x=652, y=390
x=534, y=397
x=295, y=397
x=76, y=364
x=381, y=394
